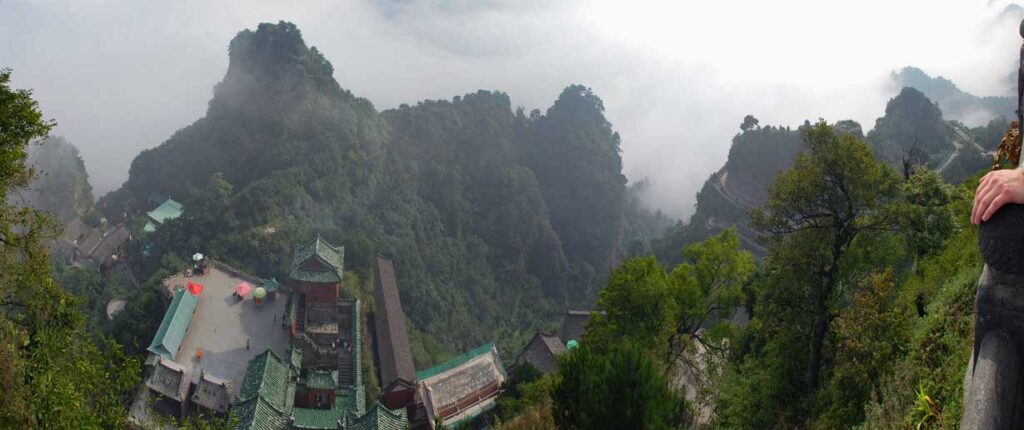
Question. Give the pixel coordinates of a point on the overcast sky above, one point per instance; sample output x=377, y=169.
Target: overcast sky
x=676, y=77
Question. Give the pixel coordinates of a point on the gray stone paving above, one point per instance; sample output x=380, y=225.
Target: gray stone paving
x=222, y=325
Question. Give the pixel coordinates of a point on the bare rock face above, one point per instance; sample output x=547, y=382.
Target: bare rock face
x=993, y=385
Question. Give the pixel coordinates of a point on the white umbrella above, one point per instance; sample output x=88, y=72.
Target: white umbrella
x=197, y=257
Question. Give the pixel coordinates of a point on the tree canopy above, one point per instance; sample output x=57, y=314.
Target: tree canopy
x=53, y=373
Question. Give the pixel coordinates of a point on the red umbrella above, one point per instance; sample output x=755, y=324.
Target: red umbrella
x=195, y=289
x=243, y=289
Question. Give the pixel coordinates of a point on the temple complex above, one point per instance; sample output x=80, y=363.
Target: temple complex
x=291, y=358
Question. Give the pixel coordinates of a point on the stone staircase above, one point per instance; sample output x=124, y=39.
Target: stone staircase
x=345, y=374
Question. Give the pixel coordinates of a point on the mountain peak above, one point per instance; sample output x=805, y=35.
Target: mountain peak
x=275, y=49
x=955, y=103
x=271, y=60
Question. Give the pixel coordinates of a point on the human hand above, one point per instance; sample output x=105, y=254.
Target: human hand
x=996, y=189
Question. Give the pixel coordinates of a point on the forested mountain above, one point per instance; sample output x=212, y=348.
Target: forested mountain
x=756, y=156
x=61, y=185
x=912, y=131
x=912, y=134
x=955, y=103
x=497, y=220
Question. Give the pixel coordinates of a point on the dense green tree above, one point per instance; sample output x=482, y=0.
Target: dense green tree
x=93, y=290
x=710, y=282
x=575, y=155
x=749, y=123
x=870, y=334
x=53, y=374
x=662, y=311
x=928, y=218
x=641, y=306
x=819, y=217
x=618, y=389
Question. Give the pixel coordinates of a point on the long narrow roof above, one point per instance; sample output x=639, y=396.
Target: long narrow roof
x=90, y=241
x=172, y=329
x=456, y=362
x=105, y=249
x=318, y=261
x=393, y=347
x=74, y=230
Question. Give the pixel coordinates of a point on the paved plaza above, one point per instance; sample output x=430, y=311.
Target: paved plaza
x=222, y=326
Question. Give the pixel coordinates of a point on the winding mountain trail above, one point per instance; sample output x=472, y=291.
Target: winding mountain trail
x=960, y=139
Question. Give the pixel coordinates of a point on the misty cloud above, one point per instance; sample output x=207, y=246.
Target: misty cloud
x=121, y=76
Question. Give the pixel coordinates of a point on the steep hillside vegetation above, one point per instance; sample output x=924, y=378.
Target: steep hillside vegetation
x=756, y=156
x=911, y=135
x=61, y=186
x=497, y=220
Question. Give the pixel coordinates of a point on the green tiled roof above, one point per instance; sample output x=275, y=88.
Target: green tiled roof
x=149, y=227
x=267, y=376
x=172, y=329
x=168, y=210
x=357, y=344
x=318, y=261
x=257, y=414
x=455, y=362
x=458, y=423
x=267, y=395
x=319, y=418
x=380, y=418
x=322, y=380
x=272, y=285
x=357, y=401
x=295, y=356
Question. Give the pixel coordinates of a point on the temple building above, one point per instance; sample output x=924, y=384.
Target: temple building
x=394, y=354
x=544, y=348
x=167, y=210
x=318, y=384
x=169, y=384
x=574, y=323
x=101, y=246
x=542, y=352
x=463, y=390
x=213, y=395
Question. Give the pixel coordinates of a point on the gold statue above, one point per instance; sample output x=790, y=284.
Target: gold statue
x=1009, y=147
